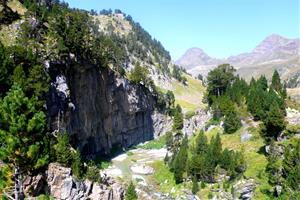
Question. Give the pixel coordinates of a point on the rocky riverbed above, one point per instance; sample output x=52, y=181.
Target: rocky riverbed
x=136, y=165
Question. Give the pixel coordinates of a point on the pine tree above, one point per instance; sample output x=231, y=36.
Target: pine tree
x=218, y=81
x=93, y=173
x=62, y=149
x=216, y=148
x=274, y=123
x=138, y=75
x=178, y=119
x=181, y=160
x=169, y=140
x=276, y=83
x=170, y=99
x=232, y=122
x=23, y=141
x=19, y=77
x=195, y=187
x=131, y=193
x=77, y=167
x=284, y=92
x=262, y=82
x=201, y=144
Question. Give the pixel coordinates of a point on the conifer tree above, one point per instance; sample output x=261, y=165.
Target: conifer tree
x=283, y=91
x=218, y=81
x=77, y=167
x=201, y=145
x=181, y=160
x=23, y=144
x=169, y=139
x=262, y=82
x=178, y=119
x=131, y=193
x=195, y=187
x=139, y=75
x=274, y=122
x=62, y=149
x=276, y=83
x=216, y=148
x=232, y=122
x=93, y=173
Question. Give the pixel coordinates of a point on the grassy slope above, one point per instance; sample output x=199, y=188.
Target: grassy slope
x=189, y=96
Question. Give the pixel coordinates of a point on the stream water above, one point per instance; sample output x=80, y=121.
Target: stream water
x=136, y=165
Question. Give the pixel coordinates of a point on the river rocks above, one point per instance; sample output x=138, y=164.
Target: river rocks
x=113, y=172
x=245, y=136
x=196, y=122
x=244, y=189
x=60, y=184
x=142, y=169
x=275, y=150
x=292, y=116
x=278, y=190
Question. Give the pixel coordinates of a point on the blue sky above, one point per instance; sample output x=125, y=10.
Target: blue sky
x=220, y=27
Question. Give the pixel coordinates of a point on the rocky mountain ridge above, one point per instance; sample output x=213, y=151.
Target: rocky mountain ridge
x=274, y=52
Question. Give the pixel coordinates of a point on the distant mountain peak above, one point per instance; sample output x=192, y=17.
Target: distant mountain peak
x=272, y=51
x=195, y=49
x=276, y=43
x=195, y=56
x=275, y=37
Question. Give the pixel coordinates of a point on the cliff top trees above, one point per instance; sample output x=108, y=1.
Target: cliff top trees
x=138, y=75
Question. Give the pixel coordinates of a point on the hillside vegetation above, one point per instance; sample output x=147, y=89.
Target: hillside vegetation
x=238, y=141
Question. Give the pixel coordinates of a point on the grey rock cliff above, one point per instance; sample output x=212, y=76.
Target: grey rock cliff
x=98, y=110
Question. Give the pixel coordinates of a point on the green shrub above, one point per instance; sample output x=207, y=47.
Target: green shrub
x=189, y=114
x=93, y=173
x=131, y=193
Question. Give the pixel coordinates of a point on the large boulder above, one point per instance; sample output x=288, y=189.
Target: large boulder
x=60, y=181
x=244, y=189
x=60, y=184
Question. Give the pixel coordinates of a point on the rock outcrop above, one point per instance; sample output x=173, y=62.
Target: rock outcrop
x=97, y=109
x=196, y=122
x=293, y=116
x=244, y=189
x=59, y=183
x=161, y=123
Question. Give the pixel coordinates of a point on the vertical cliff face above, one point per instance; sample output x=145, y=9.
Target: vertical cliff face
x=98, y=110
